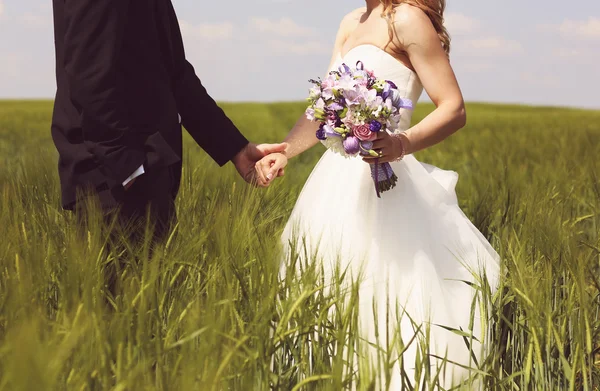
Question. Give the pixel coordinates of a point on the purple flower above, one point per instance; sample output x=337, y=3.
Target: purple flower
x=321, y=133
x=375, y=126
x=405, y=104
x=329, y=132
x=351, y=145
x=365, y=147
x=386, y=91
x=399, y=102
x=335, y=106
x=392, y=84
x=344, y=69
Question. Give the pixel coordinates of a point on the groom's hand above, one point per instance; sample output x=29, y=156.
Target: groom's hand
x=246, y=159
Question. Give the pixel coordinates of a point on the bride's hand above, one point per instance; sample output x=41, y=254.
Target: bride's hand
x=270, y=167
x=390, y=148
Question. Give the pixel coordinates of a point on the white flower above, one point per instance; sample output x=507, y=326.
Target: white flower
x=328, y=93
x=346, y=82
x=320, y=104
x=336, y=145
x=377, y=112
x=314, y=93
x=393, y=122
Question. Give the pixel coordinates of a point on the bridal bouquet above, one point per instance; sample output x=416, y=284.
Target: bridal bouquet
x=352, y=106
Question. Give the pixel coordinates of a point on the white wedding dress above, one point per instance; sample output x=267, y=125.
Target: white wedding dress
x=414, y=246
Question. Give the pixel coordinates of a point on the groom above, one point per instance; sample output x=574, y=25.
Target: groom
x=124, y=90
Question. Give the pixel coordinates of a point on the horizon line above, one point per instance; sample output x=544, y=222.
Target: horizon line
x=425, y=101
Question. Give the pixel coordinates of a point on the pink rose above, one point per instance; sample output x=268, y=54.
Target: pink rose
x=363, y=133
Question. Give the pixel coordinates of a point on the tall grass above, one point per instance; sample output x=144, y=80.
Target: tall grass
x=207, y=310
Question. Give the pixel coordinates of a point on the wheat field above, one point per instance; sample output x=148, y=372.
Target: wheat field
x=208, y=311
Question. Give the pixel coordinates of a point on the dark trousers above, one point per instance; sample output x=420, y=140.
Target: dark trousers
x=149, y=204
x=143, y=218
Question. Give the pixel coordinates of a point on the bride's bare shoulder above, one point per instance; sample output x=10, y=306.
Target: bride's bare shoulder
x=347, y=26
x=353, y=18
x=357, y=13
x=409, y=16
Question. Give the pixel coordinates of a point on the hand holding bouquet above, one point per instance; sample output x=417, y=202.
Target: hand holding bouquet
x=353, y=106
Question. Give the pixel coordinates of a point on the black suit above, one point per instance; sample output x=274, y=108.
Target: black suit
x=122, y=80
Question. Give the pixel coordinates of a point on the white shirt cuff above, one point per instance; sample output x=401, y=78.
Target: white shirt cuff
x=135, y=174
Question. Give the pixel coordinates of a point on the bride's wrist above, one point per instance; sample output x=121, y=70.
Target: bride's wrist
x=288, y=151
x=402, y=145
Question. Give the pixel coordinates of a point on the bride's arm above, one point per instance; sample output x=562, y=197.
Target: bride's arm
x=302, y=136
x=421, y=43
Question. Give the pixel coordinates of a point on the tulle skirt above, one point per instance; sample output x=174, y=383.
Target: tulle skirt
x=414, y=250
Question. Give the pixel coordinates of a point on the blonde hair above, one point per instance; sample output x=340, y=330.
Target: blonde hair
x=434, y=9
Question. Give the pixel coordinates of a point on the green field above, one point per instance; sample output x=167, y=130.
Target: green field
x=200, y=314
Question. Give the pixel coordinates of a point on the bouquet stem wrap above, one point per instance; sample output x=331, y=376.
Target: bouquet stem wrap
x=384, y=177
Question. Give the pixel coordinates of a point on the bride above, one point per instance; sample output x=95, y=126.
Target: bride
x=413, y=247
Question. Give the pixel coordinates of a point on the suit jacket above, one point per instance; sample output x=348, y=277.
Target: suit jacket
x=122, y=82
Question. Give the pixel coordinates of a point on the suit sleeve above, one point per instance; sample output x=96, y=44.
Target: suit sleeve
x=202, y=117
x=93, y=41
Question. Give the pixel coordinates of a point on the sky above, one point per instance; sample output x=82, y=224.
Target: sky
x=538, y=52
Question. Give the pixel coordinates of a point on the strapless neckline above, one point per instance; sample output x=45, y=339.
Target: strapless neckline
x=342, y=57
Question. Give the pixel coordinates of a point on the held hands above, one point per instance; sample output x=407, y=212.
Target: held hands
x=390, y=148
x=247, y=160
x=270, y=167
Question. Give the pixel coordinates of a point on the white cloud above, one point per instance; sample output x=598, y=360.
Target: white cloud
x=284, y=27
x=489, y=46
x=207, y=32
x=458, y=23
x=286, y=47
x=582, y=29
x=485, y=45
x=283, y=36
